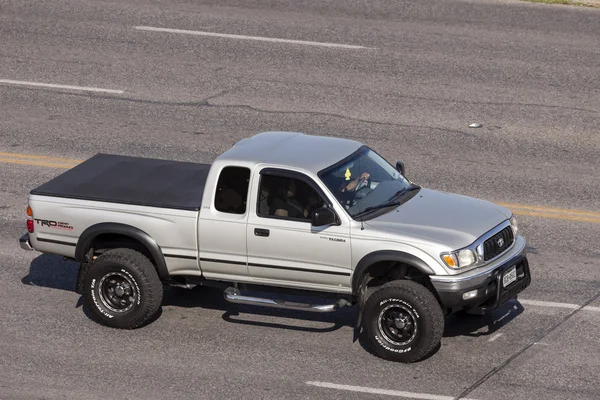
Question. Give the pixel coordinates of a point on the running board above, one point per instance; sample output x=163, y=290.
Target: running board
x=233, y=295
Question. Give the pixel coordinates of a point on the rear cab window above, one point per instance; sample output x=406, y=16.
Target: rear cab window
x=232, y=190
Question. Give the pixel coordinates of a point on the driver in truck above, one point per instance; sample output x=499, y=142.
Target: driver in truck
x=345, y=185
x=354, y=183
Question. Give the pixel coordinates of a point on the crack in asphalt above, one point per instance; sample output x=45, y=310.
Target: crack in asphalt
x=435, y=100
x=544, y=334
x=323, y=114
x=205, y=103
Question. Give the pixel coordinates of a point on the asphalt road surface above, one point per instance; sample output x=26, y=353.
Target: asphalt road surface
x=186, y=79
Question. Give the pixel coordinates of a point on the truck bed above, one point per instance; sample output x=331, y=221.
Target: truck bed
x=132, y=180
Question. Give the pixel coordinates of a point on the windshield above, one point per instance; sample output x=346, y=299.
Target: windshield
x=365, y=181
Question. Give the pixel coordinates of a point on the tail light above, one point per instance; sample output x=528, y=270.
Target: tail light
x=29, y=220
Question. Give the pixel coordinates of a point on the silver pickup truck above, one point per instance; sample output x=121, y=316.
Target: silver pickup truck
x=325, y=218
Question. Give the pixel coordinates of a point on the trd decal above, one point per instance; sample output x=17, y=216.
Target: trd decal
x=53, y=224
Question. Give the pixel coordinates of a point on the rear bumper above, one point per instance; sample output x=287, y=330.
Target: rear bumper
x=489, y=294
x=24, y=242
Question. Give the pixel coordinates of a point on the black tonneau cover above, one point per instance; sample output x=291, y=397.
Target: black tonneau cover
x=132, y=180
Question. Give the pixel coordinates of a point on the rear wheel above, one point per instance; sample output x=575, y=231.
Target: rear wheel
x=123, y=289
x=403, y=321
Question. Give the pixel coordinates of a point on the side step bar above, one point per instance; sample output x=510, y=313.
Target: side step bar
x=234, y=295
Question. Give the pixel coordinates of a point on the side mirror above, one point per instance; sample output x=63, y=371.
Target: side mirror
x=323, y=216
x=400, y=167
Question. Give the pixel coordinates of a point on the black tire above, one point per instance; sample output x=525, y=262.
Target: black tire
x=123, y=289
x=403, y=321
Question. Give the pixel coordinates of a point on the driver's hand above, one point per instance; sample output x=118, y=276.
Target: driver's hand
x=365, y=175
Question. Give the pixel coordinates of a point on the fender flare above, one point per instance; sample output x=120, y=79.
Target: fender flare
x=386, y=255
x=87, y=237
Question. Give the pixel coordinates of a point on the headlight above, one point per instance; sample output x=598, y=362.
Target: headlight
x=514, y=226
x=459, y=259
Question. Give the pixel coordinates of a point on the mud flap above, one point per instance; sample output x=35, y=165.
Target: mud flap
x=361, y=301
x=83, y=267
x=80, y=276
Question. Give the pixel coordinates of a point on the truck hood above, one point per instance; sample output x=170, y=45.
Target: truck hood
x=444, y=218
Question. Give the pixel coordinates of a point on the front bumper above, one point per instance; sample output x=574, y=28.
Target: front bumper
x=24, y=242
x=490, y=292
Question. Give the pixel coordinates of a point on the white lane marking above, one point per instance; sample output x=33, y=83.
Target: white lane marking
x=56, y=86
x=496, y=336
x=591, y=308
x=243, y=37
x=549, y=304
x=396, y=393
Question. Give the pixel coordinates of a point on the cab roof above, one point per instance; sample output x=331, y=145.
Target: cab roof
x=292, y=149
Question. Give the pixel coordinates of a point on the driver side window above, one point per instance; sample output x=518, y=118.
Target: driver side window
x=288, y=198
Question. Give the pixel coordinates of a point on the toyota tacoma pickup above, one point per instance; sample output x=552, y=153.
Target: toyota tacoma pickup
x=325, y=218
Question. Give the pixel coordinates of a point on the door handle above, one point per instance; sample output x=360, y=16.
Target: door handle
x=261, y=232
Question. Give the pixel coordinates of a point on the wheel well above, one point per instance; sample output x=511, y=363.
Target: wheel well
x=382, y=272
x=108, y=241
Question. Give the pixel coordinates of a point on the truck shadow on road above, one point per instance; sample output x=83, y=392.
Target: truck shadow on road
x=482, y=325
x=54, y=272
x=212, y=298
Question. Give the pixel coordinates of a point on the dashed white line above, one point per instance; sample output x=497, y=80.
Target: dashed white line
x=57, y=86
x=395, y=393
x=570, y=306
x=244, y=37
x=496, y=336
x=549, y=304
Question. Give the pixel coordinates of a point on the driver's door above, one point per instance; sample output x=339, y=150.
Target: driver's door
x=290, y=251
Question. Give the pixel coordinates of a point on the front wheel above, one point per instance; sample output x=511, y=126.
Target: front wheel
x=122, y=288
x=403, y=321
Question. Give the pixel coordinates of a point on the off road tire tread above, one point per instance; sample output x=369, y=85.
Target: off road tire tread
x=431, y=314
x=146, y=277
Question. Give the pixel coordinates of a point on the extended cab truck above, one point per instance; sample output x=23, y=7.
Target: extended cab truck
x=325, y=217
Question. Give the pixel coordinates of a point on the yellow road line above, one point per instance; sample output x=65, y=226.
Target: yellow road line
x=37, y=163
x=549, y=209
x=517, y=209
x=558, y=216
x=32, y=156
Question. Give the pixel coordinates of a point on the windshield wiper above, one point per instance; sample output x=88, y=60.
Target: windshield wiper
x=401, y=192
x=395, y=200
x=378, y=207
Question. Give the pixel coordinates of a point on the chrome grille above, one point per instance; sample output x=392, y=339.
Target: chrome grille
x=496, y=245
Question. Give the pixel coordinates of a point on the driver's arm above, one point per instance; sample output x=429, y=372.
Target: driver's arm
x=352, y=184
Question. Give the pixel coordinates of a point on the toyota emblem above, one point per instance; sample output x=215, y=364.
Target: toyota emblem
x=500, y=242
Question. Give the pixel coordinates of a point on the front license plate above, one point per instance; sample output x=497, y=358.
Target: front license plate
x=509, y=277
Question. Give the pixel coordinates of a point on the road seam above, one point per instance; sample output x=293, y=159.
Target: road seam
x=538, y=339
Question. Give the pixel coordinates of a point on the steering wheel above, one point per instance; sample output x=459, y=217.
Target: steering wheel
x=362, y=183
x=362, y=188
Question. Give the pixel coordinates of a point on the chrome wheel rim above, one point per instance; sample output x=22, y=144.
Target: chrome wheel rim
x=117, y=292
x=397, y=324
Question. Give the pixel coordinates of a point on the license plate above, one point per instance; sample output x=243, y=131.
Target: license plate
x=509, y=277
